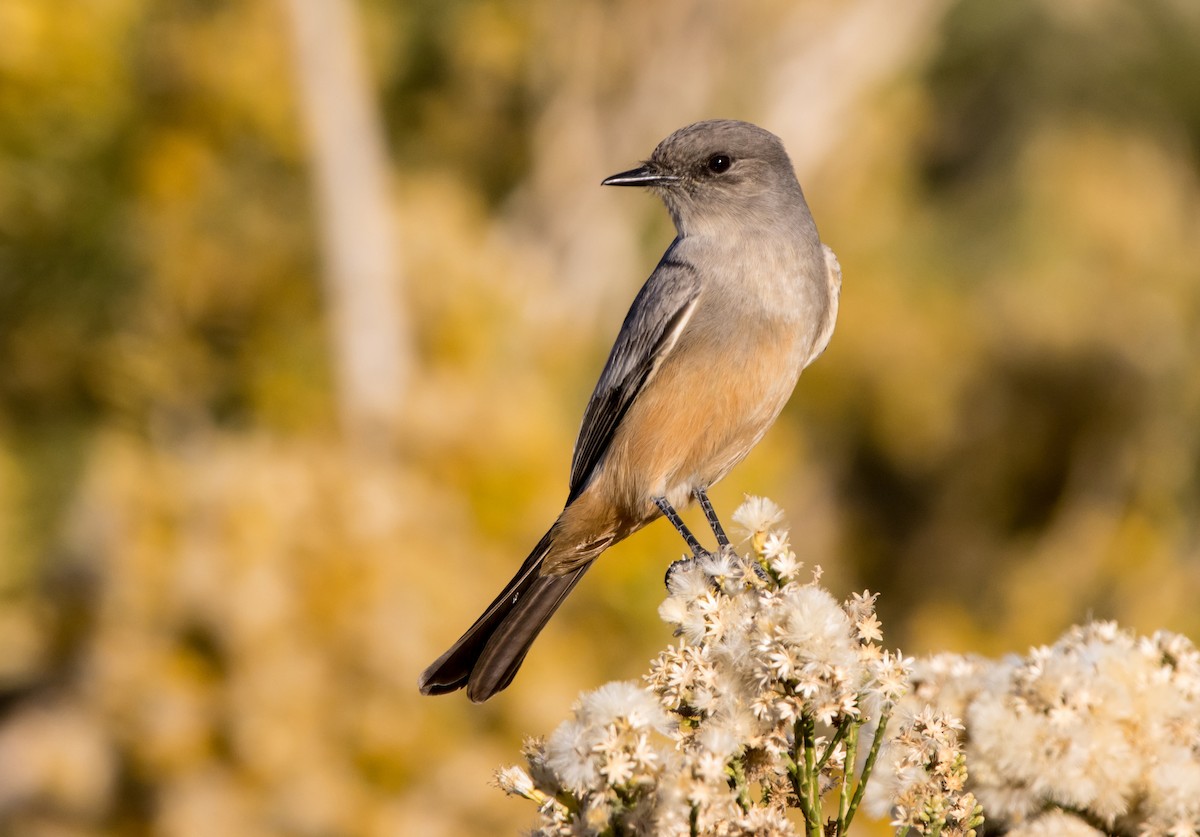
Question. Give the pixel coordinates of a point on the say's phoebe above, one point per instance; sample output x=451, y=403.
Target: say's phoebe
x=744, y=298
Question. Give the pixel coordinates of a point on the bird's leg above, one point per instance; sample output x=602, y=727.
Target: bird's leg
x=670, y=514
x=710, y=515
x=694, y=545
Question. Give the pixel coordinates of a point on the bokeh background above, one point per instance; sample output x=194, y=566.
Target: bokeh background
x=301, y=301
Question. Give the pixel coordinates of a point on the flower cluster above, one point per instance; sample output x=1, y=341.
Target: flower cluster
x=1098, y=733
x=930, y=776
x=597, y=768
x=755, y=711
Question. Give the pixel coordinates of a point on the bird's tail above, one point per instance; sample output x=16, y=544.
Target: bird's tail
x=486, y=658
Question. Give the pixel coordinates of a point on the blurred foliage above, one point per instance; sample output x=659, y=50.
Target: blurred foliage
x=214, y=614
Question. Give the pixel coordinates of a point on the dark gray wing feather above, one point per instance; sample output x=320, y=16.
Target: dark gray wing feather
x=653, y=324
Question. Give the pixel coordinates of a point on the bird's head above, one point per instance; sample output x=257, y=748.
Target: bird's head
x=711, y=172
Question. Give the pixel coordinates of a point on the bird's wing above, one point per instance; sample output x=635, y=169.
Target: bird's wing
x=833, y=279
x=651, y=329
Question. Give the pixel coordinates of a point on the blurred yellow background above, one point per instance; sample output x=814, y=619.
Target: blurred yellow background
x=301, y=301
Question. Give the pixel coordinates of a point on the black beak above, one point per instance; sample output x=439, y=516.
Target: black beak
x=641, y=176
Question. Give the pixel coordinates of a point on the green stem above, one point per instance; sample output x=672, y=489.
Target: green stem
x=884, y=716
x=737, y=778
x=813, y=776
x=776, y=579
x=570, y=802
x=843, y=821
x=793, y=771
x=842, y=729
x=798, y=773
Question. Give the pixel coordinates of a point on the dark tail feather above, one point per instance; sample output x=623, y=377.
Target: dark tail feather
x=486, y=658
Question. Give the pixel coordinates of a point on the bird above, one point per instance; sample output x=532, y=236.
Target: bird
x=743, y=299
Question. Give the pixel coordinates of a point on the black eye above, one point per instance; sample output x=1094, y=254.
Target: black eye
x=719, y=163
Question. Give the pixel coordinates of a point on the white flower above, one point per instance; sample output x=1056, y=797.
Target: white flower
x=569, y=755
x=757, y=514
x=515, y=781
x=618, y=767
x=780, y=557
x=624, y=700
x=673, y=610
x=816, y=625
x=861, y=609
x=892, y=672
x=720, y=741
x=719, y=565
x=775, y=545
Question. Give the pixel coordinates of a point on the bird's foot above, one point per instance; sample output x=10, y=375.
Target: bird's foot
x=761, y=572
x=682, y=565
